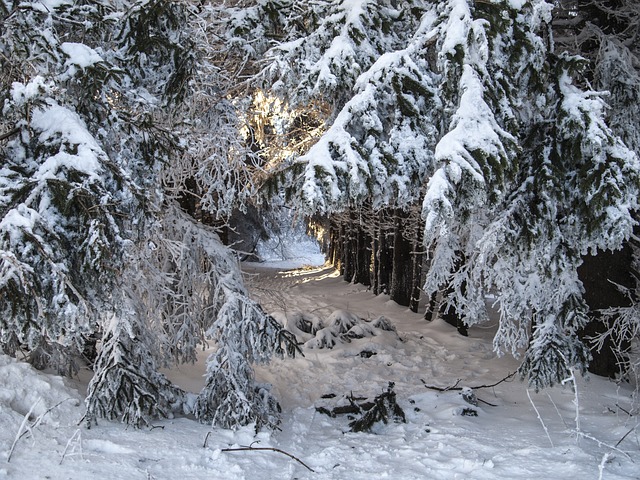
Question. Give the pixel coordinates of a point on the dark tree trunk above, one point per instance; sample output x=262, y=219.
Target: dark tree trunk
x=384, y=256
x=432, y=305
x=363, y=258
x=188, y=197
x=416, y=271
x=341, y=246
x=350, y=251
x=401, y=275
x=600, y=274
x=450, y=315
x=332, y=247
x=335, y=246
x=375, y=261
x=223, y=233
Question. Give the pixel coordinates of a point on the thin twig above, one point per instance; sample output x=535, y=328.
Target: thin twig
x=625, y=436
x=10, y=133
x=455, y=385
x=625, y=411
x=28, y=428
x=486, y=403
x=204, y=445
x=603, y=462
x=603, y=444
x=23, y=425
x=540, y=418
x=442, y=389
x=77, y=436
x=557, y=410
x=250, y=448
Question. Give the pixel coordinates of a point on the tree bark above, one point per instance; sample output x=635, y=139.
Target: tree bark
x=401, y=275
x=384, y=256
x=363, y=258
x=416, y=270
x=432, y=305
x=335, y=242
x=340, y=241
x=349, y=251
x=375, y=259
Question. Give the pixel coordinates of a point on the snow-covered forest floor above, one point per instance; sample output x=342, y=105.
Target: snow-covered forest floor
x=516, y=437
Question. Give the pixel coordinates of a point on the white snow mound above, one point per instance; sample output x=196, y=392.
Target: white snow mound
x=26, y=391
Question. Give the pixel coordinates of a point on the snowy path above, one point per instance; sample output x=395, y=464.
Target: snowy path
x=505, y=441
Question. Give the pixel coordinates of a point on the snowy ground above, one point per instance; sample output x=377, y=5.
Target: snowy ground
x=507, y=440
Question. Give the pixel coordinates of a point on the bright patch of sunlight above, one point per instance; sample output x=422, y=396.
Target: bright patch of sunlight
x=312, y=274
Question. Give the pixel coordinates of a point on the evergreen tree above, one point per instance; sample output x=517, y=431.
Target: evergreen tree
x=327, y=46
x=467, y=108
x=604, y=32
x=63, y=195
x=573, y=190
x=97, y=104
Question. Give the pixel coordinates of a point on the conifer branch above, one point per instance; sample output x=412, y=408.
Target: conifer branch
x=9, y=134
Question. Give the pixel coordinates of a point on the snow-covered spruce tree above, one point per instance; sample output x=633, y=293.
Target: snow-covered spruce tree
x=363, y=61
x=186, y=290
x=62, y=196
x=126, y=385
x=573, y=191
x=477, y=150
x=523, y=176
x=74, y=201
x=361, y=53
x=605, y=33
x=93, y=127
x=379, y=148
x=326, y=46
x=155, y=62
x=188, y=286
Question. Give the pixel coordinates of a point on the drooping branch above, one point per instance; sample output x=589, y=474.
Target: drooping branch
x=255, y=449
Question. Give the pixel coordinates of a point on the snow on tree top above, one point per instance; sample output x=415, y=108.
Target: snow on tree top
x=79, y=55
x=47, y=6
x=457, y=28
x=21, y=93
x=56, y=121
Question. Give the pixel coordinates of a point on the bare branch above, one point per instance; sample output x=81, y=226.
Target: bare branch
x=455, y=387
x=250, y=448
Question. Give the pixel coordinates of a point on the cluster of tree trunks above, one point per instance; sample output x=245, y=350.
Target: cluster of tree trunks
x=383, y=250
x=380, y=249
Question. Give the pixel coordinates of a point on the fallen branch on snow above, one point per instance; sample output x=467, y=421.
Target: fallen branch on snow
x=477, y=387
x=625, y=436
x=272, y=449
x=455, y=385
